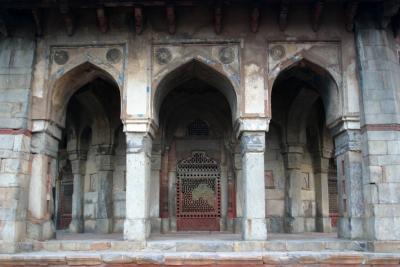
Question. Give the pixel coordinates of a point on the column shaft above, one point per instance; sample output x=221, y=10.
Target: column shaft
x=77, y=166
x=138, y=169
x=254, y=222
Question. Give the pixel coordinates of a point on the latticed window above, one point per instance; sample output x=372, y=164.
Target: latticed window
x=198, y=128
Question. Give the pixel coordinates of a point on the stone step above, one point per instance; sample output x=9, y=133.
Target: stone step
x=191, y=245
x=324, y=258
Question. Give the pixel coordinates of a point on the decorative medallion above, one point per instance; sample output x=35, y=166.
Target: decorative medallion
x=163, y=56
x=114, y=55
x=61, y=57
x=226, y=55
x=277, y=52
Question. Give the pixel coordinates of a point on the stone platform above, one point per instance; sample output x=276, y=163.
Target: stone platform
x=200, y=249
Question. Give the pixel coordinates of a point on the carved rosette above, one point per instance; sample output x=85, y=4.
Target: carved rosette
x=277, y=52
x=163, y=56
x=114, y=55
x=226, y=55
x=60, y=57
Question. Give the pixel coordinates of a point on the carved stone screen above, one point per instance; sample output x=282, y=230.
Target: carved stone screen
x=198, y=194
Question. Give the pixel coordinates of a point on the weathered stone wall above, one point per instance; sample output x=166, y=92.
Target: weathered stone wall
x=16, y=64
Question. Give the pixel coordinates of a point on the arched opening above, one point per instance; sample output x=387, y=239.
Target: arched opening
x=195, y=69
x=300, y=151
x=196, y=149
x=91, y=156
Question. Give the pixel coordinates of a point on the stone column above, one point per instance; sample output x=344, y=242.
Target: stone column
x=379, y=70
x=321, y=169
x=349, y=178
x=44, y=149
x=138, y=170
x=252, y=148
x=104, y=189
x=294, y=212
x=78, y=162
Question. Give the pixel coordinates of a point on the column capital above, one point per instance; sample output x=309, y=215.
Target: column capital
x=252, y=141
x=349, y=140
x=140, y=126
x=43, y=142
x=47, y=126
x=255, y=124
x=321, y=164
x=104, y=157
x=346, y=123
x=293, y=155
x=77, y=155
x=137, y=142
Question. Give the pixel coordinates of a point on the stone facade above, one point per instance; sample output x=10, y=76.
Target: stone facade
x=93, y=125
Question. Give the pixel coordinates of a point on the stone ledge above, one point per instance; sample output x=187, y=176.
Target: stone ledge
x=298, y=258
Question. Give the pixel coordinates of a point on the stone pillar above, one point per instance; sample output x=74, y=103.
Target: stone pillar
x=44, y=149
x=349, y=178
x=14, y=184
x=294, y=212
x=138, y=170
x=254, y=225
x=380, y=121
x=78, y=162
x=104, y=189
x=321, y=169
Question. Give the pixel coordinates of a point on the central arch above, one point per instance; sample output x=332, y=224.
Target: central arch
x=195, y=106
x=195, y=68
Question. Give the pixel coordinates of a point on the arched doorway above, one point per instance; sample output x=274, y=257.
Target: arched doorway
x=194, y=104
x=91, y=156
x=301, y=151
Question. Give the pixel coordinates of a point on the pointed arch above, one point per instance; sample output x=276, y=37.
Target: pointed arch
x=195, y=68
x=297, y=116
x=64, y=85
x=317, y=77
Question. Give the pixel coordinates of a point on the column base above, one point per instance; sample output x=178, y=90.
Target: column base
x=136, y=229
x=165, y=228
x=103, y=226
x=40, y=231
x=12, y=231
x=155, y=225
x=324, y=225
x=351, y=228
x=294, y=225
x=76, y=226
x=254, y=229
